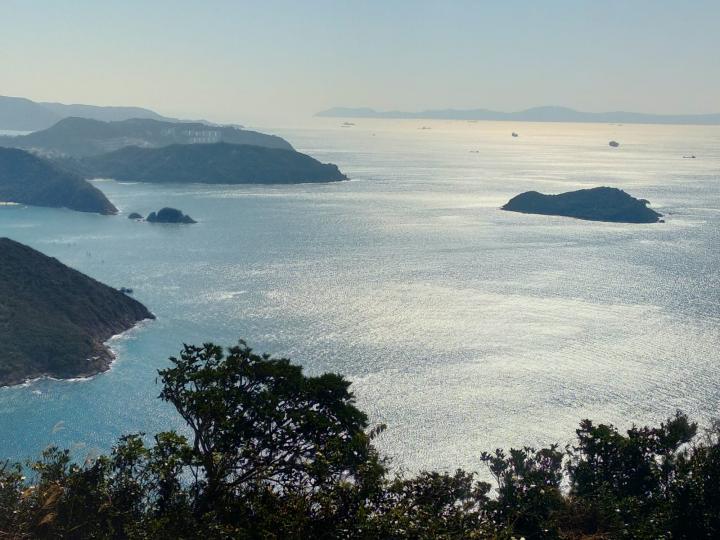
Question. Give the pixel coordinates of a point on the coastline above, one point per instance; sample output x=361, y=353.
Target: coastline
x=107, y=357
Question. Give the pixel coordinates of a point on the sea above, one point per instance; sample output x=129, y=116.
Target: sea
x=462, y=327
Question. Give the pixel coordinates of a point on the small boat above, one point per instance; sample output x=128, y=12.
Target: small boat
x=689, y=157
x=125, y=290
x=614, y=144
x=514, y=134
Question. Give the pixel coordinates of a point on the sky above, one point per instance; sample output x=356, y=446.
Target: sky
x=238, y=61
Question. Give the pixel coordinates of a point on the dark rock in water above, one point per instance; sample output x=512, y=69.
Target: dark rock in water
x=54, y=321
x=29, y=179
x=80, y=137
x=135, y=215
x=218, y=163
x=614, y=144
x=596, y=204
x=169, y=215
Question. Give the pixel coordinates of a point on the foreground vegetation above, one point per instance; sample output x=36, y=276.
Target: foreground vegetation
x=271, y=453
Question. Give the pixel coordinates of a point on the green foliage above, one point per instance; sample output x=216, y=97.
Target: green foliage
x=259, y=424
x=628, y=479
x=432, y=505
x=528, y=489
x=272, y=453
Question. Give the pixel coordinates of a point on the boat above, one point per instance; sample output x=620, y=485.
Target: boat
x=614, y=144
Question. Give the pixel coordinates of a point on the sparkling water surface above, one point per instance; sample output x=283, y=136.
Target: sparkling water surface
x=462, y=327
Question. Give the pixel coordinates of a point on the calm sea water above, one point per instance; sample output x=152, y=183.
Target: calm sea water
x=461, y=326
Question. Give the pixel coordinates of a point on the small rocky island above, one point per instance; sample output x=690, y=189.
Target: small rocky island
x=169, y=215
x=217, y=163
x=29, y=179
x=54, y=321
x=595, y=204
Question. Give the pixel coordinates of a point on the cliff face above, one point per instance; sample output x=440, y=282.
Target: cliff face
x=596, y=204
x=81, y=137
x=219, y=163
x=54, y=320
x=28, y=179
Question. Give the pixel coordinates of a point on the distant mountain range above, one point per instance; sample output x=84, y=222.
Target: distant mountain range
x=21, y=114
x=80, y=137
x=536, y=114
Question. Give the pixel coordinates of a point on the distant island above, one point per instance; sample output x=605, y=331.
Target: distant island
x=218, y=163
x=595, y=204
x=169, y=215
x=54, y=321
x=21, y=114
x=82, y=137
x=536, y=114
x=31, y=180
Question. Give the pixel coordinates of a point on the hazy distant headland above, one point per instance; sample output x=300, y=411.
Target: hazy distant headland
x=79, y=137
x=29, y=179
x=218, y=163
x=536, y=114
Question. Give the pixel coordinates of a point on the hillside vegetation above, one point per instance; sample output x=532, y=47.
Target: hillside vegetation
x=54, y=320
x=218, y=163
x=29, y=179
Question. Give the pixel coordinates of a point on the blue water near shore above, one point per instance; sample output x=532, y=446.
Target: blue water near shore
x=463, y=327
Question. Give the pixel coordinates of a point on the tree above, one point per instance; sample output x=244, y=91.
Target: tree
x=433, y=505
x=260, y=428
x=626, y=480
x=528, y=487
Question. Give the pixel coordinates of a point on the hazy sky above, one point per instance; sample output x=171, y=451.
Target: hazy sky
x=240, y=61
